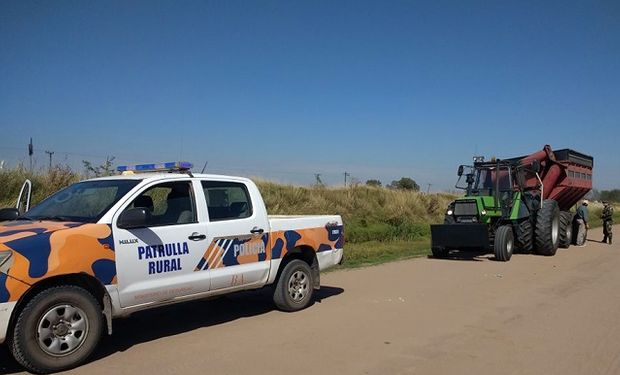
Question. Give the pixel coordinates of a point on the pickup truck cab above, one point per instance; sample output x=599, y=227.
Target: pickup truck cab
x=106, y=247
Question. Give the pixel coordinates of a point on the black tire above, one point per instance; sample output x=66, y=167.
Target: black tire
x=295, y=286
x=524, y=233
x=504, y=243
x=566, y=229
x=547, y=232
x=449, y=220
x=69, y=342
x=439, y=252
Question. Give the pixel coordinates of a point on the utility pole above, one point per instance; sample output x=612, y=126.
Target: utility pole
x=318, y=181
x=30, y=152
x=428, y=189
x=346, y=175
x=50, y=153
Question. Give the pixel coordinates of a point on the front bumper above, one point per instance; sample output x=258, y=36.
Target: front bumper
x=460, y=236
x=6, y=309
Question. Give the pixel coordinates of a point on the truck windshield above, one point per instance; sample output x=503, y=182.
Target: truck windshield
x=84, y=202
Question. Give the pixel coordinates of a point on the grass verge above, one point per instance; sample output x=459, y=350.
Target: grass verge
x=374, y=252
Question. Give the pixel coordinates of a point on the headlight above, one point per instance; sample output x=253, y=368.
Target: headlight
x=5, y=260
x=449, y=213
x=483, y=212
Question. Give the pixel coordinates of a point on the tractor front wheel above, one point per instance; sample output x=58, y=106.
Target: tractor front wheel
x=504, y=243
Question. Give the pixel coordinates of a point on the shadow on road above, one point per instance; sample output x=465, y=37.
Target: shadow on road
x=172, y=320
x=472, y=256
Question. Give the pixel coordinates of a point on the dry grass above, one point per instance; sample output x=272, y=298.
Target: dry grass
x=370, y=213
x=43, y=184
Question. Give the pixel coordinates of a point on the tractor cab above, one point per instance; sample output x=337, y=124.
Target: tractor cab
x=484, y=179
x=489, y=186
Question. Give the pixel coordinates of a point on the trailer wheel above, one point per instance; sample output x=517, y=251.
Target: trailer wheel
x=440, y=252
x=566, y=229
x=57, y=330
x=548, y=228
x=525, y=236
x=295, y=286
x=504, y=243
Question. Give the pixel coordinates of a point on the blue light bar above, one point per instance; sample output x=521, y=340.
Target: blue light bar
x=157, y=167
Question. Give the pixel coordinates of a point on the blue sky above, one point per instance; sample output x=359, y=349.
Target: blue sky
x=286, y=89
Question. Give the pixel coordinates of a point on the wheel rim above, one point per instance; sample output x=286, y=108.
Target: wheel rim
x=298, y=285
x=555, y=229
x=509, y=245
x=62, y=330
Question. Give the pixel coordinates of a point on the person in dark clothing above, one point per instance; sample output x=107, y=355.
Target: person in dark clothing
x=608, y=221
x=582, y=221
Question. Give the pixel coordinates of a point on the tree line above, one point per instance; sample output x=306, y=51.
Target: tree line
x=405, y=183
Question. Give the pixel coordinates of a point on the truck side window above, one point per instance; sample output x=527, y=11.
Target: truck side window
x=227, y=200
x=170, y=203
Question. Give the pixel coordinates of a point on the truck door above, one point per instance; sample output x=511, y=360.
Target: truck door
x=237, y=235
x=156, y=263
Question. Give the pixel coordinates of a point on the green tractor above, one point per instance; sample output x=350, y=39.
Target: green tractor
x=521, y=203
x=497, y=212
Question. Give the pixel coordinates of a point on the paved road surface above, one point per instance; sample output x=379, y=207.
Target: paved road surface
x=532, y=315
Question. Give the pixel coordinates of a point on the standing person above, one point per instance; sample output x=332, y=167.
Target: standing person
x=608, y=221
x=582, y=221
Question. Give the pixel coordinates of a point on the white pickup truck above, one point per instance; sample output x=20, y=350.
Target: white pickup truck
x=106, y=247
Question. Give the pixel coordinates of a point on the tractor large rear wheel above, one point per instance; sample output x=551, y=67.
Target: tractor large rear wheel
x=524, y=234
x=566, y=229
x=547, y=231
x=504, y=243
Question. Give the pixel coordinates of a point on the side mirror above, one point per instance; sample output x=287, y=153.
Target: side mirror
x=460, y=171
x=137, y=217
x=536, y=166
x=8, y=214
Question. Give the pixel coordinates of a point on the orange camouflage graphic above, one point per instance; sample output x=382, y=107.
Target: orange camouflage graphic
x=44, y=249
x=232, y=251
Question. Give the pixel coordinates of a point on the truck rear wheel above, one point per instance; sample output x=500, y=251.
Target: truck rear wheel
x=57, y=330
x=548, y=228
x=566, y=229
x=295, y=286
x=504, y=243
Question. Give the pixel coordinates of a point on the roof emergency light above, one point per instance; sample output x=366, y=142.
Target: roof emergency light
x=156, y=167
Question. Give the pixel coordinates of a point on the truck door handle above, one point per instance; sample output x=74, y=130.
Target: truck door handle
x=197, y=237
x=257, y=230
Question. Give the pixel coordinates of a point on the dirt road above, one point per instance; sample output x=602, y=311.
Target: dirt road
x=532, y=315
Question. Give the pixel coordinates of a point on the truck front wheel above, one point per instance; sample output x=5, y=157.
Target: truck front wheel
x=504, y=243
x=58, y=329
x=295, y=286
